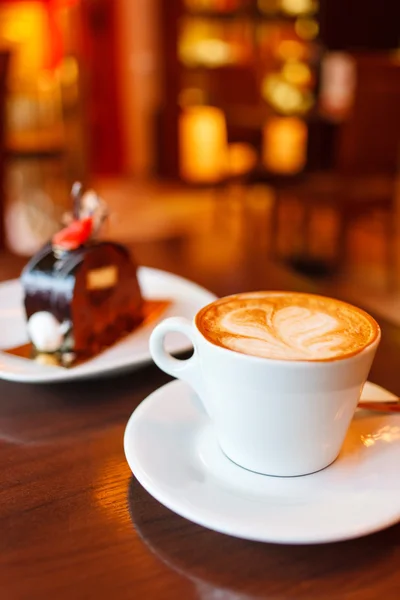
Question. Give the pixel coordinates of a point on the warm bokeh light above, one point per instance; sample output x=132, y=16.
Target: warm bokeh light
x=211, y=52
x=299, y=7
x=291, y=50
x=290, y=7
x=214, y=44
x=203, y=144
x=307, y=29
x=285, y=97
x=23, y=29
x=285, y=145
x=242, y=158
x=297, y=73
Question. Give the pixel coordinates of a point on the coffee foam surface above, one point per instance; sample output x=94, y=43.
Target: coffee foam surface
x=287, y=326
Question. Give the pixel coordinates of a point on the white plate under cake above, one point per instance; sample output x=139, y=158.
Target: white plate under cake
x=185, y=299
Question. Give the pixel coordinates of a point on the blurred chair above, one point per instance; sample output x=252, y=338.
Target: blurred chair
x=4, y=62
x=366, y=160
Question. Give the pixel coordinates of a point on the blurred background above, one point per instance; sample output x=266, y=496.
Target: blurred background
x=269, y=127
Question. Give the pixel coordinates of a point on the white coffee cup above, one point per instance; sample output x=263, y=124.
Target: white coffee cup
x=276, y=417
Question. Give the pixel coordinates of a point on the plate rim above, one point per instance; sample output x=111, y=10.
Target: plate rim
x=148, y=483
x=61, y=375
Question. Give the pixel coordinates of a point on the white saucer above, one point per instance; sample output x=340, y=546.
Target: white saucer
x=186, y=299
x=171, y=449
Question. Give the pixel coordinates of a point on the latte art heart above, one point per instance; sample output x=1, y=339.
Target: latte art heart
x=287, y=326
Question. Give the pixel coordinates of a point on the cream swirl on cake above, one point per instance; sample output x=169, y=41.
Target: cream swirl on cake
x=287, y=326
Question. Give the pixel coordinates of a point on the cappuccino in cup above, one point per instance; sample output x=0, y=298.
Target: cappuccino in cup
x=280, y=375
x=287, y=326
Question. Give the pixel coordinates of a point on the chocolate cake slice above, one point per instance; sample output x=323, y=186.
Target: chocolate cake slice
x=81, y=299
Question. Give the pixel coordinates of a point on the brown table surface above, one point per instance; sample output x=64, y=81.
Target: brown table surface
x=74, y=523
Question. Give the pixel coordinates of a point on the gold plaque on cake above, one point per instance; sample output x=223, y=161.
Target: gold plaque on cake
x=103, y=278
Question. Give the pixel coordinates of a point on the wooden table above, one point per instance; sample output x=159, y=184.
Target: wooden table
x=75, y=524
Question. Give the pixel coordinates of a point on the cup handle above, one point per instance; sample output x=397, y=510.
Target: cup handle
x=187, y=370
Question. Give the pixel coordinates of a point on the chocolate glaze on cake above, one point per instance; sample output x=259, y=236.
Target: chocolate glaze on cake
x=92, y=292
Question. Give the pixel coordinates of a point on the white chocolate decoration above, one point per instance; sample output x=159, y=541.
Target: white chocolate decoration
x=46, y=332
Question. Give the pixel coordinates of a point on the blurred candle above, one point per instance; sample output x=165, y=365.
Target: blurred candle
x=203, y=144
x=285, y=145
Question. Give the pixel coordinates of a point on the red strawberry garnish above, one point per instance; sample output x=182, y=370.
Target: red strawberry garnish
x=75, y=235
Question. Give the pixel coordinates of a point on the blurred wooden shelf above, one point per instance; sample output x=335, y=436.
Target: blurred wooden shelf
x=208, y=68
x=244, y=13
